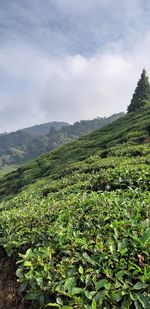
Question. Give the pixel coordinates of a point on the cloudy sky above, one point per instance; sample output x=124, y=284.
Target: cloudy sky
x=68, y=60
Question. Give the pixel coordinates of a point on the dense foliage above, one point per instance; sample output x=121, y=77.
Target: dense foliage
x=141, y=96
x=81, y=234
x=23, y=145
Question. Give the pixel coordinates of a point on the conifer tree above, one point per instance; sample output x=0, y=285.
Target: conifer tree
x=141, y=96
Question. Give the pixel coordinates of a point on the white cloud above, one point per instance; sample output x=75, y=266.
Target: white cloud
x=70, y=88
x=37, y=86
x=89, y=87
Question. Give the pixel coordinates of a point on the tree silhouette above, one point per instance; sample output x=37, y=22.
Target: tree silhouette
x=141, y=96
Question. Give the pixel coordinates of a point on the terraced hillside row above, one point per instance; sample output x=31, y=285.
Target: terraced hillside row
x=79, y=230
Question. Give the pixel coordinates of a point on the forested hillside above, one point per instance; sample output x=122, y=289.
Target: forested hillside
x=79, y=230
x=23, y=145
x=43, y=129
x=16, y=147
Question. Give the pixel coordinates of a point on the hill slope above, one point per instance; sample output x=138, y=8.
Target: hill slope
x=23, y=145
x=133, y=128
x=15, y=146
x=81, y=233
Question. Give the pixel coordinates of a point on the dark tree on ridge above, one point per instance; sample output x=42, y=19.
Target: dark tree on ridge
x=141, y=96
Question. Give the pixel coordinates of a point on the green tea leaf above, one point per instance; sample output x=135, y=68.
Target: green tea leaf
x=146, y=236
x=94, y=306
x=101, y=284
x=144, y=300
x=138, y=305
x=75, y=291
x=116, y=296
x=88, y=294
x=112, y=248
x=53, y=305
x=81, y=270
x=70, y=283
x=139, y=286
x=120, y=274
x=27, y=264
x=89, y=259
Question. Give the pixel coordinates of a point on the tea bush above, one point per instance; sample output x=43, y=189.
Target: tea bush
x=83, y=249
x=79, y=230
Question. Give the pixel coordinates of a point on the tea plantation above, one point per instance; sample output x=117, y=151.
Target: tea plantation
x=77, y=220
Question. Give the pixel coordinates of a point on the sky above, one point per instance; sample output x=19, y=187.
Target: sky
x=69, y=60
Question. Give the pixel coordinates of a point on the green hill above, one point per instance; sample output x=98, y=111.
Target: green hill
x=79, y=229
x=132, y=129
x=19, y=146
x=26, y=144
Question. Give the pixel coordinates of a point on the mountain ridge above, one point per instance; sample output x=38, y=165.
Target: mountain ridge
x=26, y=144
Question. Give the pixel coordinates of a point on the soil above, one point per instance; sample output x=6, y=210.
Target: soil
x=10, y=297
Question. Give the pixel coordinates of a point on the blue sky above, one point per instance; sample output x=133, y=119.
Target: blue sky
x=70, y=59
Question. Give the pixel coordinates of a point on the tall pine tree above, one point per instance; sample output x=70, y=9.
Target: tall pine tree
x=141, y=96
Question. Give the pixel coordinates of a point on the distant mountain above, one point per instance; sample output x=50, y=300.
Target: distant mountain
x=86, y=126
x=43, y=129
x=26, y=144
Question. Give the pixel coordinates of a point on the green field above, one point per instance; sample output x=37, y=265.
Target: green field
x=77, y=220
